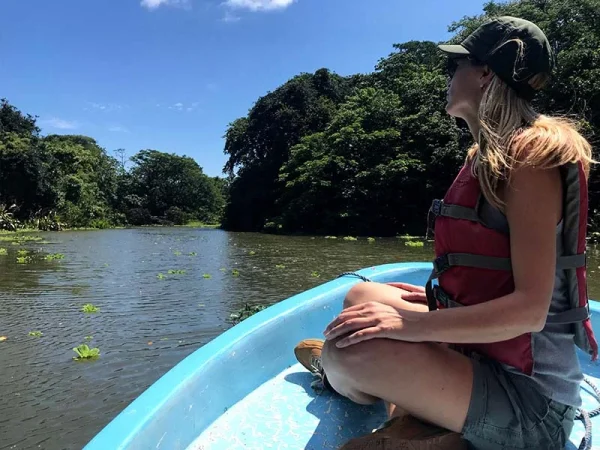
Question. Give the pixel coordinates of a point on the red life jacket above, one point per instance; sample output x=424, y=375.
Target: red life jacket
x=473, y=264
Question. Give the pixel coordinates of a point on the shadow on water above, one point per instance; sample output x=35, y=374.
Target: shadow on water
x=146, y=324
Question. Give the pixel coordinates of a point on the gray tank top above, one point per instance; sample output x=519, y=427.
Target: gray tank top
x=556, y=368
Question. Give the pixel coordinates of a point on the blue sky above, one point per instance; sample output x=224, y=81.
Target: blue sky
x=171, y=74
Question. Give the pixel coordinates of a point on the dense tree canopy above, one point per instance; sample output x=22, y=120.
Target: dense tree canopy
x=366, y=154
x=59, y=180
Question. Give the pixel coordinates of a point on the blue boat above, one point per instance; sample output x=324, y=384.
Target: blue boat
x=245, y=390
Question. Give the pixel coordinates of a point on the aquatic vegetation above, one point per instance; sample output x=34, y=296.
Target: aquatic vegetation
x=315, y=274
x=207, y=275
x=244, y=312
x=176, y=272
x=23, y=252
x=23, y=259
x=15, y=243
x=193, y=254
x=36, y=334
x=89, y=338
x=408, y=237
x=330, y=237
x=252, y=253
x=350, y=238
x=160, y=276
x=53, y=256
x=414, y=243
x=177, y=253
x=223, y=269
x=235, y=273
x=85, y=352
x=279, y=266
x=371, y=239
x=3, y=252
x=89, y=308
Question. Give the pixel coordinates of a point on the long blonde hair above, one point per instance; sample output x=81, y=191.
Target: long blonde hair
x=514, y=135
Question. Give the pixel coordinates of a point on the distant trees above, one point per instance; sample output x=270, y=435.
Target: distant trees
x=70, y=180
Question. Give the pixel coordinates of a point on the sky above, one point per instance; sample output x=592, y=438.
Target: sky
x=171, y=75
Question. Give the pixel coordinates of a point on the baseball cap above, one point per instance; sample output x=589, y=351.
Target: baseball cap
x=494, y=44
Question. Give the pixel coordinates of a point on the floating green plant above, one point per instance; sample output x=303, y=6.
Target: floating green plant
x=3, y=252
x=414, y=243
x=371, y=239
x=36, y=334
x=223, y=269
x=350, y=238
x=89, y=308
x=22, y=252
x=15, y=243
x=315, y=274
x=84, y=352
x=193, y=254
x=252, y=253
x=176, y=272
x=177, y=253
x=23, y=259
x=207, y=275
x=279, y=266
x=244, y=312
x=407, y=237
x=89, y=338
x=235, y=273
x=330, y=237
x=160, y=276
x=53, y=256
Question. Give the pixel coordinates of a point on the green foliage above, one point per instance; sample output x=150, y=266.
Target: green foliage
x=69, y=180
x=207, y=275
x=3, y=252
x=366, y=154
x=23, y=259
x=36, y=334
x=53, y=256
x=244, y=312
x=89, y=308
x=414, y=243
x=83, y=351
x=176, y=272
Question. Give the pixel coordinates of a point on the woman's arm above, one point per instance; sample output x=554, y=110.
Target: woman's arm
x=533, y=209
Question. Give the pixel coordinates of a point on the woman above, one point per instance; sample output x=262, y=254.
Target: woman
x=490, y=353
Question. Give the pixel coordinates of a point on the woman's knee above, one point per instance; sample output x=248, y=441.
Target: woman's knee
x=359, y=293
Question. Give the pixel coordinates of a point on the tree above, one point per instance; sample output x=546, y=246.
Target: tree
x=167, y=185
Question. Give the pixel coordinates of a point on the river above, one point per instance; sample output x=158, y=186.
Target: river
x=146, y=322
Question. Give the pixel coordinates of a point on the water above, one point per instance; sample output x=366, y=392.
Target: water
x=146, y=325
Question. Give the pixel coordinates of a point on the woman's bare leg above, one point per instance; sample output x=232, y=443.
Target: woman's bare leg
x=426, y=380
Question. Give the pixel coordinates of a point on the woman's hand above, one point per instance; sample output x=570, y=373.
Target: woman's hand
x=413, y=293
x=374, y=320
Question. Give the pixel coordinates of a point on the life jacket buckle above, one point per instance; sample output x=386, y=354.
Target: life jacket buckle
x=434, y=211
x=441, y=264
x=440, y=295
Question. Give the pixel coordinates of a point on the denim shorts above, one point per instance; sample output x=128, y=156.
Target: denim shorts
x=507, y=411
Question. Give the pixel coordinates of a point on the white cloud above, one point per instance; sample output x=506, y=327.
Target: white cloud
x=230, y=18
x=118, y=129
x=104, y=107
x=183, y=107
x=60, y=124
x=154, y=4
x=258, y=5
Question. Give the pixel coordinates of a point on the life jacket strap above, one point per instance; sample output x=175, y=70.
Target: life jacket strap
x=444, y=262
x=440, y=209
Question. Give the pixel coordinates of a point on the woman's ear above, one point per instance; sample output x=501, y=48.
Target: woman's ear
x=485, y=77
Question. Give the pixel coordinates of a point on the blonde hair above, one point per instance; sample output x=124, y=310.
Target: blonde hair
x=514, y=135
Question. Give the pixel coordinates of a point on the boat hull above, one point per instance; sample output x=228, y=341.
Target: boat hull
x=245, y=390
